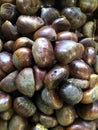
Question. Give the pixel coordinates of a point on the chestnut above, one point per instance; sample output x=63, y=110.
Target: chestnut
x=9, y=30
x=28, y=7
x=7, y=1
x=83, y=84
x=55, y=76
x=6, y=101
x=51, y=98
x=76, y=17
x=48, y=121
x=79, y=124
x=67, y=92
x=88, y=6
x=1, y=45
x=25, y=82
x=89, y=29
x=24, y=106
x=43, y=54
x=22, y=42
x=80, y=69
x=61, y=24
x=7, y=84
x=66, y=115
x=8, y=46
x=65, y=35
x=89, y=42
x=88, y=111
x=47, y=32
x=22, y=58
x=6, y=63
x=49, y=14
x=17, y=123
x=89, y=55
x=42, y=106
x=3, y=125
x=91, y=94
x=67, y=50
x=28, y=24
x=9, y=12
x=7, y=115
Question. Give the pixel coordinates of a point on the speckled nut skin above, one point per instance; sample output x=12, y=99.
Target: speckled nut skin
x=76, y=17
x=28, y=7
x=7, y=84
x=18, y=58
x=24, y=107
x=18, y=123
x=43, y=54
x=61, y=114
x=66, y=89
x=25, y=82
x=51, y=99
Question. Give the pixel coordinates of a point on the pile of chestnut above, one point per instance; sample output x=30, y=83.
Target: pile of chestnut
x=48, y=64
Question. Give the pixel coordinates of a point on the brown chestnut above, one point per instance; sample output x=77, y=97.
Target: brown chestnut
x=49, y=14
x=67, y=50
x=8, y=46
x=25, y=82
x=61, y=24
x=8, y=11
x=51, y=98
x=9, y=30
x=7, y=84
x=42, y=106
x=6, y=63
x=48, y=121
x=47, y=32
x=89, y=29
x=80, y=69
x=88, y=111
x=43, y=54
x=67, y=92
x=65, y=35
x=28, y=7
x=88, y=6
x=7, y=115
x=55, y=76
x=89, y=55
x=76, y=17
x=82, y=125
x=22, y=42
x=24, y=107
x=66, y=115
x=28, y=24
x=5, y=101
x=22, y=58
x=17, y=123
